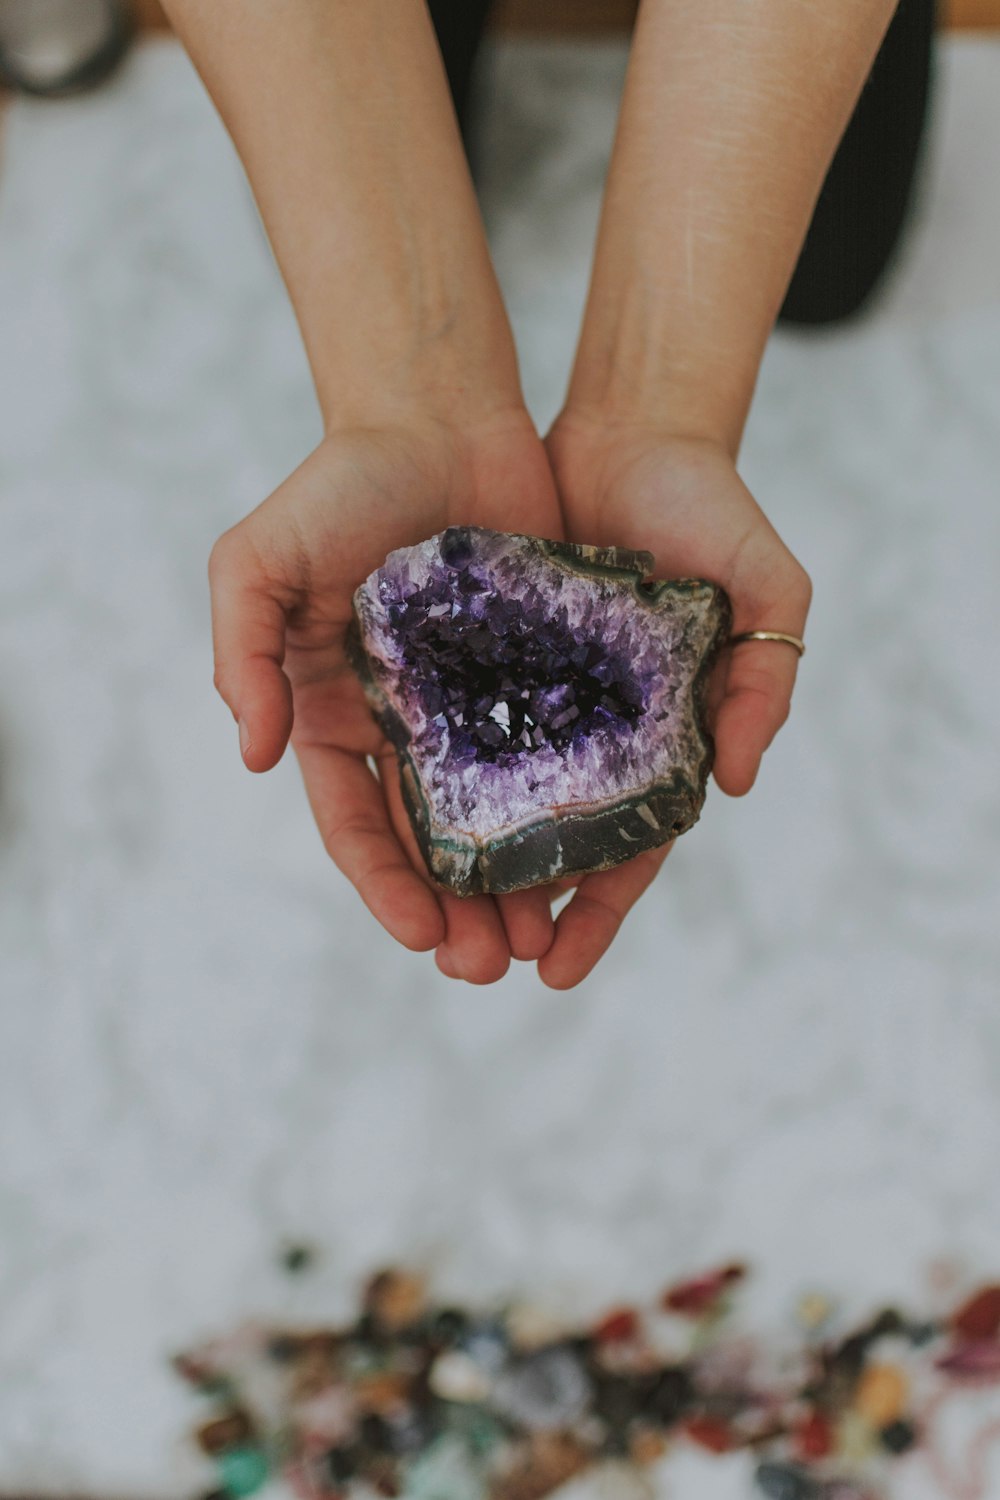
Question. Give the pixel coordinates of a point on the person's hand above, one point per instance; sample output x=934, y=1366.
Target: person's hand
x=282, y=582
x=682, y=500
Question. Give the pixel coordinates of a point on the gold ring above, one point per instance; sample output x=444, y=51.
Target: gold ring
x=770, y=635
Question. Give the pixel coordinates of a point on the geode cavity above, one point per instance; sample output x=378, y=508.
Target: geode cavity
x=546, y=703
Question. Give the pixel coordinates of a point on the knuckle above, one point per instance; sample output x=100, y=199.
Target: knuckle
x=220, y=680
x=220, y=557
x=801, y=587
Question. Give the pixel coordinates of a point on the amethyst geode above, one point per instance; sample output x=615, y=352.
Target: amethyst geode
x=546, y=703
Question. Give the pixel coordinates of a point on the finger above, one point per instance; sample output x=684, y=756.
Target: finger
x=527, y=921
x=475, y=947
x=441, y=959
x=587, y=926
x=474, y=944
x=350, y=812
x=248, y=632
x=756, y=703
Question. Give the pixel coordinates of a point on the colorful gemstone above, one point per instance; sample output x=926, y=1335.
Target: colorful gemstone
x=979, y=1317
x=711, y=1433
x=243, y=1471
x=331, y=1415
x=786, y=1482
x=396, y=1299
x=646, y=1444
x=539, y=1465
x=881, y=1394
x=232, y=1430
x=297, y=1258
x=455, y=1376
x=447, y=1325
x=855, y=1437
x=544, y=1391
x=922, y=1333
x=671, y=1394
x=445, y=1471
x=531, y=1327
x=814, y=1438
x=977, y=1360
x=340, y=1465
x=898, y=1437
x=694, y=1298
x=889, y=1321
x=813, y=1310
x=617, y=1326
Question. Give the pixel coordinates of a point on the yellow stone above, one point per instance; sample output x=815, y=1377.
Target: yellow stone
x=397, y=1298
x=646, y=1445
x=855, y=1438
x=530, y=1327
x=881, y=1394
x=813, y=1310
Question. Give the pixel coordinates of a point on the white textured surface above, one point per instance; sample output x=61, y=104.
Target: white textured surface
x=793, y=1055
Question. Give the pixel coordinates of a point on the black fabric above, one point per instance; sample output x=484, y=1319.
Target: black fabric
x=863, y=205
x=460, y=25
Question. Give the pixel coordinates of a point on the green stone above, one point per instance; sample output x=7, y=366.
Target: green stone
x=243, y=1470
x=446, y=1471
x=474, y=1427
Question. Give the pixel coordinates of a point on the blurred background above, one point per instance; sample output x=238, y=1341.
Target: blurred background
x=209, y=1050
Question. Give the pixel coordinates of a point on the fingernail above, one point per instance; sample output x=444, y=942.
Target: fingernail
x=244, y=739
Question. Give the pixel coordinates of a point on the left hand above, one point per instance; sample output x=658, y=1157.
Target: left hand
x=681, y=499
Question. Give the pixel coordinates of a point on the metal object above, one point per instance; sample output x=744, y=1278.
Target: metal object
x=51, y=48
x=770, y=635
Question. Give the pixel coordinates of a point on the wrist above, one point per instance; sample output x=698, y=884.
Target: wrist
x=433, y=438
x=669, y=426
x=418, y=376
x=636, y=370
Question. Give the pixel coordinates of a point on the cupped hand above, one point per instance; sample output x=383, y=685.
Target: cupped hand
x=282, y=581
x=681, y=499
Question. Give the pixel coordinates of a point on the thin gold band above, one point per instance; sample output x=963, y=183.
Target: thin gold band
x=771, y=635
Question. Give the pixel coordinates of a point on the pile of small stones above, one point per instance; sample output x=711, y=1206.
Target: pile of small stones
x=439, y=1402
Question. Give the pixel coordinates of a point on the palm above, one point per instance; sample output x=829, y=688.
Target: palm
x=682, y=501
x=308, y=547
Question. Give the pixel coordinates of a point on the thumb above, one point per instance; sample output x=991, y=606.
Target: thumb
x=248, y=632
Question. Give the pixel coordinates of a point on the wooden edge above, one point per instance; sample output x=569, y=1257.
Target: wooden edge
x=594, y=17
x=971, y=15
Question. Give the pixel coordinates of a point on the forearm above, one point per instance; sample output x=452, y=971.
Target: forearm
x=341, y=115
x=731, y=114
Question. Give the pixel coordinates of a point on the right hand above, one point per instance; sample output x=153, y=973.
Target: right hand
x=282, y=581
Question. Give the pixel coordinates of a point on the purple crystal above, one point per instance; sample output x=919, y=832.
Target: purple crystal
x=546, y=703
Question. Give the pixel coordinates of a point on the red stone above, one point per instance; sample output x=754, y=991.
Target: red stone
x=710, y=1433
x=979, y=1317
x=814, y=1439
x=696, y=1296
x=190, y=1368
x=617, y=1326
